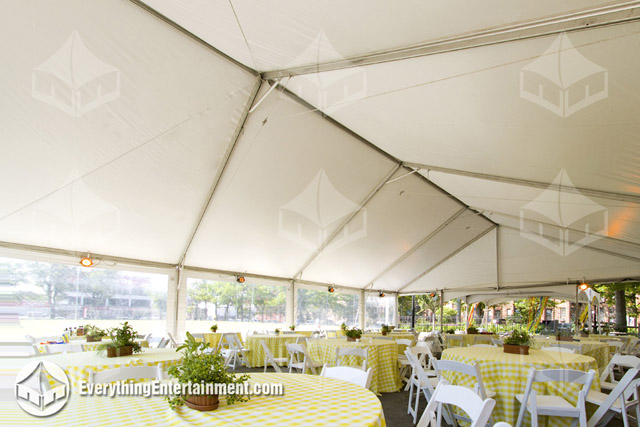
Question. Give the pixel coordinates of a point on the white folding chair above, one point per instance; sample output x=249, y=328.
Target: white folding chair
x=147, y=337
x=270, y=360
x=403, y=341
x=455, y=339
x=497, y=342
x=299, y=358
x=622, y=398
x=173, y=340
x=351, y=351
x=163, y=342
x=632, y=349
x=421, y=382
x=464, y=368
x=559, y=349
x=126, y=373
x=557, y=406
x=482, y=339
x=64, y=348
x=347, y=373
x=235, y=353
x=618, y=345
x=607, y=378
x=478, y=409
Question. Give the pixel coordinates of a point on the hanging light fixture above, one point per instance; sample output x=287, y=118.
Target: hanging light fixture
x=432, y=294
x=240, y=279
x=381, y=294
x=86, y=261
x=583, y=286
x=331, y=289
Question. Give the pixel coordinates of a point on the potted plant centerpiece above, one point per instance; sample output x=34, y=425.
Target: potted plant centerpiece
x=517, y=343
x=292, y=327
x=564, y=335
x=214, y=328
x=277, y=331
x=385, y=330
x=122, y=342
x=353, y=334
x=93, y=333
x=472, y=330
x=343, y=326
x=200, y=368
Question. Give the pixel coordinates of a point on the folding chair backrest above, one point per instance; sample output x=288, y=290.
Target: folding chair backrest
x=478, y=409
x=126, y=373
x=625, y=361
x=464, y=368
x=267, y=351
x=347, y=373
x=163, y=342
x=619, y=345
x=628, y=386
x=497, y=342
x=64, y=348
x=455, y=338
x=403, y=342
x=352, y=351
x=296, y=351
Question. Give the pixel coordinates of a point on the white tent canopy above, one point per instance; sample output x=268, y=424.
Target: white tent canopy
x=406, y=148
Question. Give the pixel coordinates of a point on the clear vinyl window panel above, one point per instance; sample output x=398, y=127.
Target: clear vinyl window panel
x=319, y=309
x=234, y=307
x=45, y=298
x=379, y=311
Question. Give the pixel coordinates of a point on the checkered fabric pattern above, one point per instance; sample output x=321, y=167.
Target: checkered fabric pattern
x=598, y=350
x=382, y=356
x=308, y=400
x=90, y=346
x=276, y=345
x=78, y=365
x=468, y=339
x=214, y=338
x=506, y=375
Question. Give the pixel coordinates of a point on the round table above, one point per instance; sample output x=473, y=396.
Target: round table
x=382, y=356
x=91, y=346
x=276, y=344
x=308, y=400
x=506, y=374
x=468, y=339
x=78, y=365
x=213, y=338
x=597, y=350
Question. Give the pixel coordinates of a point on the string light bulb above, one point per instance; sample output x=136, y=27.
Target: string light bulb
x=86, y=261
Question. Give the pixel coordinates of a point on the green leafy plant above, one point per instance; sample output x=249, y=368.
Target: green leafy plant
x=123, y=336
x=518, y=338
x=564, y=333
x=343, y=326
x=353, y=333
x=451, y=330
x=94, y=332
x=472, y=330
x=292, y=327
x=277, y=331
x=214, y=328
x=385, y=329
x=200, y=367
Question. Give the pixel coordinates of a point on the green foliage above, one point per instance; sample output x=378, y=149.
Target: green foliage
x=343, y=326
x=277, y=331
x=472, y=329
x=292, y=327
x=518, y=338
x=353, y=332
x=198, y=366
x=385, y=329
x=94, y=332
x=121, y=337
x=564, y=333
x=214, y=328
x=450, y=330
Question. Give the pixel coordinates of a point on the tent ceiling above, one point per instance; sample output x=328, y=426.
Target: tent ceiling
x=127, y=137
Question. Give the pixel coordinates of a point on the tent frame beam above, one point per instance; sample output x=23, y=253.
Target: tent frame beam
x=620, y=197
x=448, y=257
x=221, y=169
x=418, y=245
x=346, y=221
x=568, y=22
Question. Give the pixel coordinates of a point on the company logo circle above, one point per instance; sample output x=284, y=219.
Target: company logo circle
x=42, y=388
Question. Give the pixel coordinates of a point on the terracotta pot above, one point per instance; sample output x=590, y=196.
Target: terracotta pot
x=93, y=339
x=120, y=351
x=564, y=338
x=384, y=333
x=351, y=339
x=516, y=349
x=202, y=403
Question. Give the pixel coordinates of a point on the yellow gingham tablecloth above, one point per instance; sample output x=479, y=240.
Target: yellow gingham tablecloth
x=78, y=365
x=91, y=346
x=214, y=338
x=401, y=347
x=468, y=339
x=382, y=356
x=275, y=343
x=506, y=375
x=597, y=350
x=308, y=400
